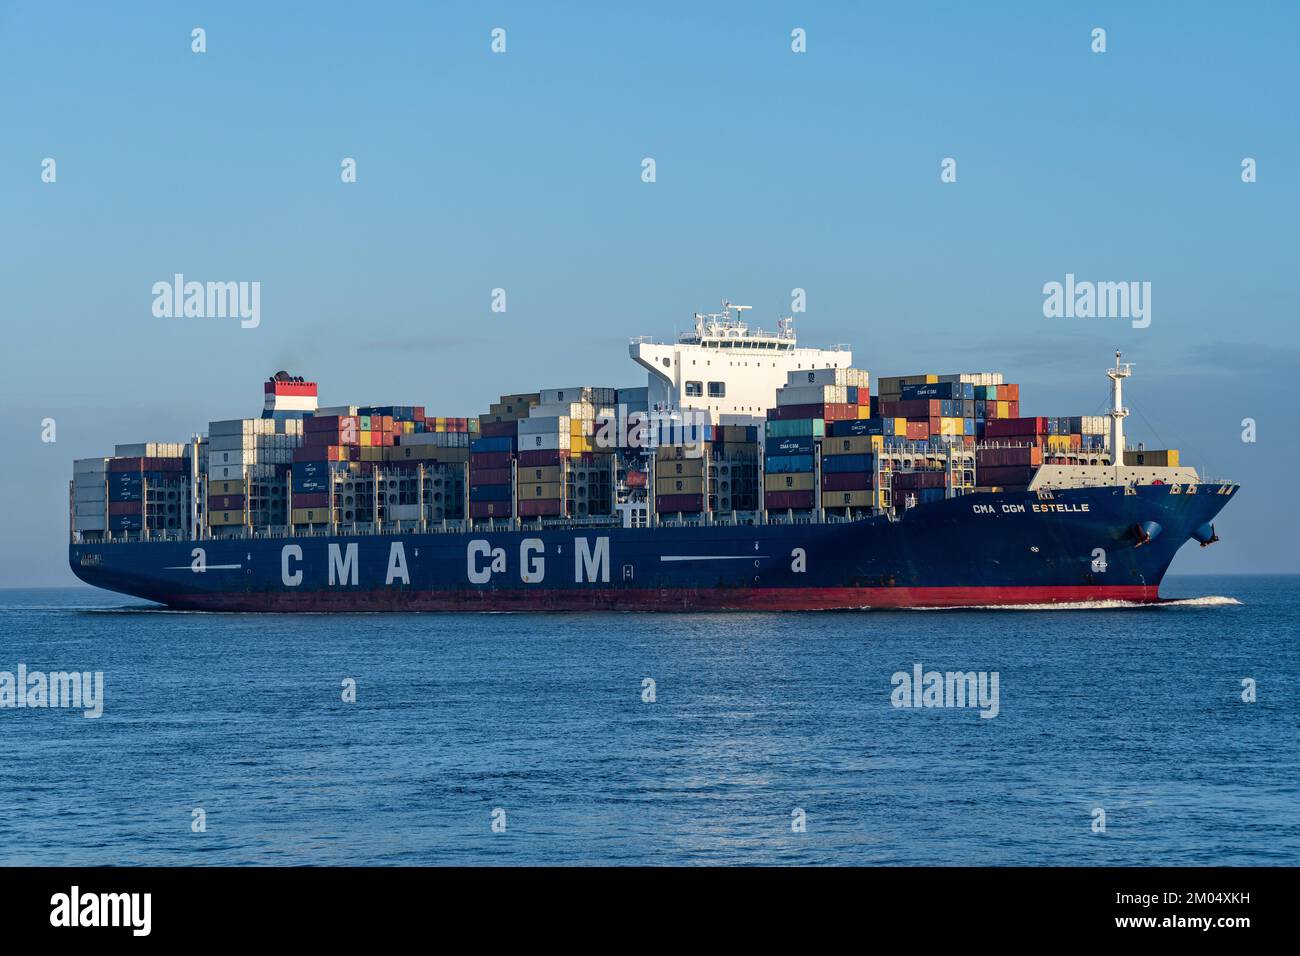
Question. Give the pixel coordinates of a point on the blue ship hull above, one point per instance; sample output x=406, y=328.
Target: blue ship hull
x=988, y=548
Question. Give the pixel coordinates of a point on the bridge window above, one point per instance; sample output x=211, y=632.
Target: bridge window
x=717, y=390
x=694, y=389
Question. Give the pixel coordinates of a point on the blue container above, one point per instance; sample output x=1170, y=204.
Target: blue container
x=124, y=486
x=796, y=445
x=835, y=464
x=968, y=426
x=125, y=522
x=788, y=464
x=489, y=492
x=481, y=445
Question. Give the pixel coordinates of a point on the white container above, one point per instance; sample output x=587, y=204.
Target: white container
x=403, y=512
x=89, y=522
x=542, y=425
x=812, y=395
x=552, y=441
x=90, y=466
x=855, y=377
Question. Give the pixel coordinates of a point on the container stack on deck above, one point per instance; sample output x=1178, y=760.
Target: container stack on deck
x=812, y=402
x=250, y=457
x=492, y=456
x=827, y=448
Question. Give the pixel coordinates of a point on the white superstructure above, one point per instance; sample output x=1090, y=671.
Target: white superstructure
x=725, y=369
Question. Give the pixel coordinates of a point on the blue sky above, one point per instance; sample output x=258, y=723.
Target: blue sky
x=522, y=171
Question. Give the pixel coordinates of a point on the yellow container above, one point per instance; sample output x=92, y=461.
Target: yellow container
x=227, y=487
x=951, y=426
x=311, y=516
x=547, y=474
x=799, y=481
x=679, y=486
x=688, y=467
x=579, y=444
x=1004, y=409
x=1154, y=457
x=547, y=491
x=864, y=411
x=850, y=499
x=218, y=519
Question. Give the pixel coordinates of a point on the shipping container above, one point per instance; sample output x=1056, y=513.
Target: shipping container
x=679, y=486
x=669, y=504
x=530, y=491
x=541, y=508
x=832, y=464
x=847, y=481
x=1152, y=457
x=793, y=481
x=530, y=459
x=788, y=464
x=787, y=500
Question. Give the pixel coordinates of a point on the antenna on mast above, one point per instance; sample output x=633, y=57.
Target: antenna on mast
x=1118, y=412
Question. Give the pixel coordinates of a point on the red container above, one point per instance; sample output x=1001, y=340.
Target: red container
x=830, y=412
x=331, y=423
x=847, y=481
x=1013, y=392
x=124, y=507
x=490, y=476
x=783, y=413
x=1013, y=427
x=538, y=508
x=916, y=480
x=323, y=439
x=1003, y=457
x=307, y=499
x=912, y=408
x=489, y=509
x=1008, y=475
x=666, y=504
x=918, y=431
x=541, y=458
x=498, y=429
x=1014, y=409
x=234, y=502
x=322, y=453
x=782, y=500
x=489, y=459
x=125, y=464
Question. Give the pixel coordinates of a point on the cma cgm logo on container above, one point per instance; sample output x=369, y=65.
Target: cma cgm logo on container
x=208, y=300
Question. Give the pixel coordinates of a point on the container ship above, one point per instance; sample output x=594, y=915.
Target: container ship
x=748, y=473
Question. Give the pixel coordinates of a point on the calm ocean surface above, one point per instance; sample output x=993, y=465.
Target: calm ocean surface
x=1136, y=711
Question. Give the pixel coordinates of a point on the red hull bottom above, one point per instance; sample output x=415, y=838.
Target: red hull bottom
x=688, y=600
